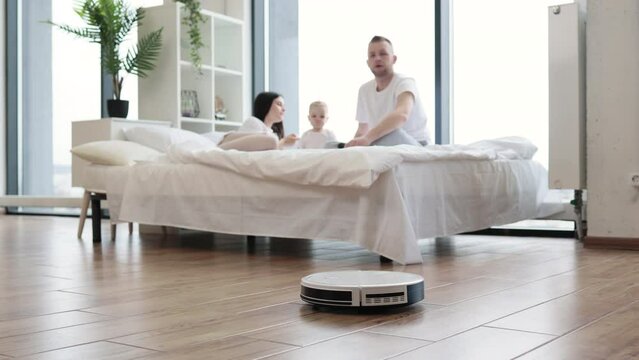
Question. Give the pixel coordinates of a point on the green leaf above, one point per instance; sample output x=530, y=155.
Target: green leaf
x=141, y=58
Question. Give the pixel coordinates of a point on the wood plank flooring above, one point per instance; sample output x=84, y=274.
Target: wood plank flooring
x=206, y=296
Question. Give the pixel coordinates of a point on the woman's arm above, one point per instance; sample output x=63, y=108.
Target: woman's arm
x=288, y=141
x=248, y=142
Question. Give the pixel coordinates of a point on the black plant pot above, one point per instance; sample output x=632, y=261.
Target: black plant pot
x=118, y=108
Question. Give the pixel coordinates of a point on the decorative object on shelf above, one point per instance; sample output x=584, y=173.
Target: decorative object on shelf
x=190, y=107
x=220, y=110
x=108, y=23
x=193, y=19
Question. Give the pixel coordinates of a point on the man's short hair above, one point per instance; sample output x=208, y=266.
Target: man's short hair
x=379, y=38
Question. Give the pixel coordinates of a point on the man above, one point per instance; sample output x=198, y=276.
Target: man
x=389, y=110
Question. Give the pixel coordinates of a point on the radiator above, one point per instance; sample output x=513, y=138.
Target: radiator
x=567, y=97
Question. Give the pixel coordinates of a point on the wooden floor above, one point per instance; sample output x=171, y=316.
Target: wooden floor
x=202, y=296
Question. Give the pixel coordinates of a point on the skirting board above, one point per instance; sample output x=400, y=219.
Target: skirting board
x=599, y=242
x=40, y=201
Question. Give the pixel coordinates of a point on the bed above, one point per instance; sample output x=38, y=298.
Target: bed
x=383, y=199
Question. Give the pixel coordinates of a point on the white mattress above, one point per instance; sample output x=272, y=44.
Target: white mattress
x=411, y=201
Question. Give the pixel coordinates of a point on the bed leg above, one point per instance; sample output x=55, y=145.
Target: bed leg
x=86, y=199
x=96, y=215
x=384, y=260
x=250, y=242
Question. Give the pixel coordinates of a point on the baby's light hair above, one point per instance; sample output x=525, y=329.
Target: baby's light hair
x=317, y=104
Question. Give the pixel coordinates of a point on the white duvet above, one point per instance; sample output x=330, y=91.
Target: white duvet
x=381, y=198
x=356, y=167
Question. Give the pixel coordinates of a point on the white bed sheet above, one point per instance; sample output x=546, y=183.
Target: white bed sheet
x=409, y=202
x=95, y=177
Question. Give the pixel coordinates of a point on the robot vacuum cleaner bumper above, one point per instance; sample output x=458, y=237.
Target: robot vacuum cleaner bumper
x=358, y=288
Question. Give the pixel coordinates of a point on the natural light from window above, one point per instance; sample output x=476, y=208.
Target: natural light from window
x=333, y=43
x=76, y=89
x=500, y=71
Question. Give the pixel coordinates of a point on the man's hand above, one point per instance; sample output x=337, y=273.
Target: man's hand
x=359, y=141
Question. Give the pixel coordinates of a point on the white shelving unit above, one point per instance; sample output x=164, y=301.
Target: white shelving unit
x=222, y=72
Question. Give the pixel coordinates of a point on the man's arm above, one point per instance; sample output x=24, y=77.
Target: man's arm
x=394, y=120
x=361, y=130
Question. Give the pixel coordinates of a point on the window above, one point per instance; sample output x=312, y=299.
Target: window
x=74, y=74
x=333, y=41
x=57, y=81
x=52, y=81
x=500, y=77
x=500, y=66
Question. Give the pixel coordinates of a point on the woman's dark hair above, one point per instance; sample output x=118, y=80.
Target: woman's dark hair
x=261, y=107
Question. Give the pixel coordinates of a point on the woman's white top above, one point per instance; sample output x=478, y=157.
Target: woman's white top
x=256, y=126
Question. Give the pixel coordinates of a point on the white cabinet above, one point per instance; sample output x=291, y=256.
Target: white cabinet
x=167, y=93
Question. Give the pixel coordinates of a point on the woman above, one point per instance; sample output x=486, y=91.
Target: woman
x=264, y=130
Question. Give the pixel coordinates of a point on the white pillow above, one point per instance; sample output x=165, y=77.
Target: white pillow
x=160, y=138
x=114, y=152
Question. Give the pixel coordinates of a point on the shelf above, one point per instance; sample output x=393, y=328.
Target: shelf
x=225, y=20
x=186, y=63
x=140, y=121
x=185, y=119
x=223, y=69
x=226, y=72
x=228, y=123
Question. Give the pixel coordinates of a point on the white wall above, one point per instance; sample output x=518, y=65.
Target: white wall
x=3, y=97
x=612, y=117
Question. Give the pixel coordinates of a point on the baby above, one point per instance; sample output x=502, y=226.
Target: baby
x=317, y=137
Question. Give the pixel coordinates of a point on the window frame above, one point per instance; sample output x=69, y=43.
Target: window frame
x=12, y=197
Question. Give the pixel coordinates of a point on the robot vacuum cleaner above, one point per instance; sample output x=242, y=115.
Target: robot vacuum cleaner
x=359, y=288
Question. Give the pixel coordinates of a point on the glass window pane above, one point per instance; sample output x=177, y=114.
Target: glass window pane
x=75, y=91
x=59, y=83
x=500, y=66
x=333, y=41
x=500, y=76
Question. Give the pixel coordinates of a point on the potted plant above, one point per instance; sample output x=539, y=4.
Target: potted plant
x=108, y=23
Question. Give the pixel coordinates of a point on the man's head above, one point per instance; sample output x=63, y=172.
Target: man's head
x=381, y=57
x=318, y=114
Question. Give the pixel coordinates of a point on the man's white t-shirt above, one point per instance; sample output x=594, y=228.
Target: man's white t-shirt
x=373, y=105
x=316, y=139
